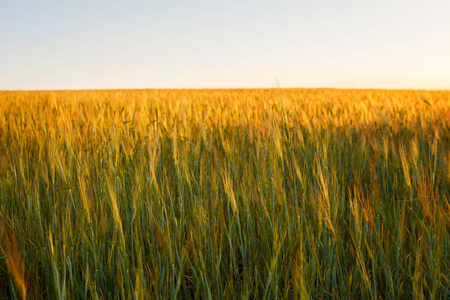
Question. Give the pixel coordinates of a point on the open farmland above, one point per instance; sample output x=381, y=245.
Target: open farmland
x=255, y=194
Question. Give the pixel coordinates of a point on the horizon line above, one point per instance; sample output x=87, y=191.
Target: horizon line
x=225, y=88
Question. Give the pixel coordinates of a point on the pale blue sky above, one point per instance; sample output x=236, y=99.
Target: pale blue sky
x=221, y=44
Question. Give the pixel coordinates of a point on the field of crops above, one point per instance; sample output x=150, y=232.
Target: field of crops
x=260, y=194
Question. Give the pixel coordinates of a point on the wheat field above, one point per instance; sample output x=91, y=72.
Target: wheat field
x=225, y=194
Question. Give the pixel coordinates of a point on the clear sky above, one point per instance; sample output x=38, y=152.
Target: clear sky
x=221, y=44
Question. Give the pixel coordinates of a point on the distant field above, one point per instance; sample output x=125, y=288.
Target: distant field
x=256, y=194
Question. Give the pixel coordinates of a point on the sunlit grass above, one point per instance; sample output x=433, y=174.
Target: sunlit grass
x=225, y=194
